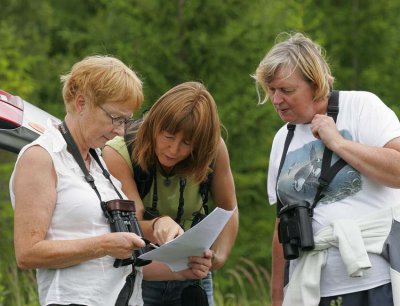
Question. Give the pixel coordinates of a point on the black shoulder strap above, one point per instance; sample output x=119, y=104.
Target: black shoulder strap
x=333, y=105
x=327, y=172
x=288, y=140
x=142, y=178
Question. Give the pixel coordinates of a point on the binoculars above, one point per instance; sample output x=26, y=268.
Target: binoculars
x=295, y=229
x=122, y=217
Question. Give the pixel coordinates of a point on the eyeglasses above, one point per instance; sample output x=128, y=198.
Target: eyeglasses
x=116, y=121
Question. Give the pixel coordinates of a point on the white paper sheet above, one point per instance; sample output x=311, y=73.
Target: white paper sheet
x=193, y=242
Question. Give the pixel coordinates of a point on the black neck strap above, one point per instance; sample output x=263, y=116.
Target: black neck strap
x=328, y=172
x=73, y=149
x=127, y=289
x=204, y=187
x=182, y=185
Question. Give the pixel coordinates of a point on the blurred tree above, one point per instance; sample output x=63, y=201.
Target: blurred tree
x=217, y=42
x=24, y=30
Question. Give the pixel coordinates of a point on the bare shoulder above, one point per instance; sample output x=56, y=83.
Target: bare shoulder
x=109, y=152
x=35, y=168
x=223, y=187
x=115, y=161
x=222, y=155
x=35, y=156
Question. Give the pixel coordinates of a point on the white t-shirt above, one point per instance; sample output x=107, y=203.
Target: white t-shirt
x=362, y=118
x=78, y=215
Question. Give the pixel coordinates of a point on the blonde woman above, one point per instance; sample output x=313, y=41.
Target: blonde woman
x=349, y=209
x=60, y=228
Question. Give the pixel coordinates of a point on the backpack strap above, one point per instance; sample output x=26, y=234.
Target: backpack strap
x=142, y=178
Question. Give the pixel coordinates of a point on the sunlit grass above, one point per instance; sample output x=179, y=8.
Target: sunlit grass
x=245, y=285
x=248, y=284
x=17, y=287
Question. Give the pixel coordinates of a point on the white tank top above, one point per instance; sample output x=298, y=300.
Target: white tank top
x=78, y=215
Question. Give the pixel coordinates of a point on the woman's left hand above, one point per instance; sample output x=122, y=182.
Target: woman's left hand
x=198, y=266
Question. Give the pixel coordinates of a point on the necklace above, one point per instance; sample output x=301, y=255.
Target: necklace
x=167, y=181
x=167, y=175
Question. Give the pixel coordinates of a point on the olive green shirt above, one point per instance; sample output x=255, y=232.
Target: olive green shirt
x=168, y=196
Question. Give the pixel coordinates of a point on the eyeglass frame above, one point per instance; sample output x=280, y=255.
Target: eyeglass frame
x=116, y=121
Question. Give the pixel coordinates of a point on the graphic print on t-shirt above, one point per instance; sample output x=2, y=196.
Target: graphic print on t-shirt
x=298, y=180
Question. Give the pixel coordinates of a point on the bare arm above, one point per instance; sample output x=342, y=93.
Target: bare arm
x=224, y=196
x=379, y=164
x=278, y=268
x=120, y=169
x=35, y=197
x=165, y=229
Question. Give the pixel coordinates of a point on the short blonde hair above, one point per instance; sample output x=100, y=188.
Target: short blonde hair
x=297, y=52
x=190, y=108
x=100, y=79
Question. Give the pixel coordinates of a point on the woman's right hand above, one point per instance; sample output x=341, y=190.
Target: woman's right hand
x=165, y=229
x=120, y=245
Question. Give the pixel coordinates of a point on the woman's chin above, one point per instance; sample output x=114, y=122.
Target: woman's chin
x=167, y=164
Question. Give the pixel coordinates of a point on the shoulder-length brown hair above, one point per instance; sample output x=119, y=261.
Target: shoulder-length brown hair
x=190, y=108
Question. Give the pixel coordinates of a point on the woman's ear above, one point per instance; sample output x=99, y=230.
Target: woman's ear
x=80, y=104
x=314, y=88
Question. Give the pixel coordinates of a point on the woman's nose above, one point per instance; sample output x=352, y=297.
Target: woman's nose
x=276, y=97
x=119, y=130
x=174, y=147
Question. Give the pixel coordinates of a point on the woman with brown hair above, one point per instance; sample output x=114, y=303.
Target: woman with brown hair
x=179, y=151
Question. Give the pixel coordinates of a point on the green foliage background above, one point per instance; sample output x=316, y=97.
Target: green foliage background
x=218, y=42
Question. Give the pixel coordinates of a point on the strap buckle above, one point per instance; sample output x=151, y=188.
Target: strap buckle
x=323, y=182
